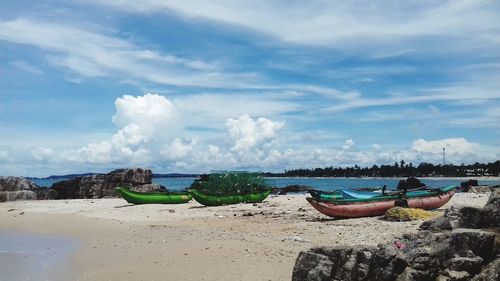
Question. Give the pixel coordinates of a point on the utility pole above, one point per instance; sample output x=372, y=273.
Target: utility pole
x=444, y=155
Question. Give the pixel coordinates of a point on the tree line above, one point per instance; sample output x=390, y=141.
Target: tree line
x=399, y=169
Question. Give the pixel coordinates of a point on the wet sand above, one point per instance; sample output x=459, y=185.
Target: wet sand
x=191, y=242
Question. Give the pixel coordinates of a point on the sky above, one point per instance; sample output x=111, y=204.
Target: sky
x=195, y=86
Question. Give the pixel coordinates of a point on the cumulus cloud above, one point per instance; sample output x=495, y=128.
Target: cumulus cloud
x=348, y=144
x=147, y=116
x=144, y=123
x=179, y=149
x=249, y=133
x=452, y=145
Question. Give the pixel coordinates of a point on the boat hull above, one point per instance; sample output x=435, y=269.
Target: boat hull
x=135, y=197
x=376, y=208
x=218, y=200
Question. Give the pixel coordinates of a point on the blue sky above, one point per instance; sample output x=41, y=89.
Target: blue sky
x=193, y=86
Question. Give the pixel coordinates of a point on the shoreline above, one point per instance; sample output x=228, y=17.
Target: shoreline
x=190, y=242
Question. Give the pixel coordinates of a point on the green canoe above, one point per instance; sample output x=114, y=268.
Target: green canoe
x=135, y=197
x=208, y=199
x=325, y=195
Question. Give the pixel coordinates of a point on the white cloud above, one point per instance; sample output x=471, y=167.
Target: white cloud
x=90, y=53
x=341, y=24
x=41, y=153
x=349, y=143
x=248, y=133
x=150, y=115
x=144, y=122
x=453, y=145
x=179, y=149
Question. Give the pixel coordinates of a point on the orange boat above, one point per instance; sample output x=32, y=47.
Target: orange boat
x=376, y=206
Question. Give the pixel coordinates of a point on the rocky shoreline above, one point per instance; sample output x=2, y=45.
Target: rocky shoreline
x=84, y=187
x=463, y=244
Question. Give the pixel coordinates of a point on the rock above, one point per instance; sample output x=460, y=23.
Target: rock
x=409, y=183
x=17, y=195
x=480, y=189
x=16, y=184
x=104, y=185
x=489, y=272
x=490, y=216
x=153, y=187
x=408, y=214
x=455, y=255
x=17, y=188
x=466, y=185
x=438, y=224
x=312, y=265
x=46, y=194
x=136, y=176
x=464, y=217
x=295, y=188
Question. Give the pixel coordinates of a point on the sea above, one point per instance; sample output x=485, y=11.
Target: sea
x=176, y=184
x=35, y=257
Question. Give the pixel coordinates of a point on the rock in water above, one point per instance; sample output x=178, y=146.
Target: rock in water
x=409, y=183
x=466, y=185
x=17, y=188
x=104, y=185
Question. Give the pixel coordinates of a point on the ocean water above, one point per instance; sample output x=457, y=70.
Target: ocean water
x=35, y=257
x=318, y=183
x=326, y=183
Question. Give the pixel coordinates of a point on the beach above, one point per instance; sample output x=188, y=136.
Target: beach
x=119, y=241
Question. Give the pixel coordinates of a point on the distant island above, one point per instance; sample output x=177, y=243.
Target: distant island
x=398, y=169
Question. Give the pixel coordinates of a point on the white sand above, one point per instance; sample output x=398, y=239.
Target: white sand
x=192, y=242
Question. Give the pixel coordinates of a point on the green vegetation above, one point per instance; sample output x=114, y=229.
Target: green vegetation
x=400, y=169
x=231, y=183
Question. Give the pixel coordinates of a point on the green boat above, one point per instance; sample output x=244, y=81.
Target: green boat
x=208, y=199
x=325, y=195
x=135, y=197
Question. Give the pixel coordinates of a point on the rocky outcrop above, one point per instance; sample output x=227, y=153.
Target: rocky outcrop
x=466, y=185
x=480, y=189
x=455, y=255
x=17, y=188
x=445, y=248
x=409, y=183
x=17, y=184
x=490, y=215
x=104, y=185
x=468, y=217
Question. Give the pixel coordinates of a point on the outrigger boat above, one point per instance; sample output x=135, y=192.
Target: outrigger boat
x=135, y=197
x=378, y=205
x=209, y=199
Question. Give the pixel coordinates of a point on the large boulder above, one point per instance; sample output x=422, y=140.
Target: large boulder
x=456, y=255
x=490, y=216
x=466, y=185
x=17, y=188
x=409, y=183
x=17, y=184
x=104, y=185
